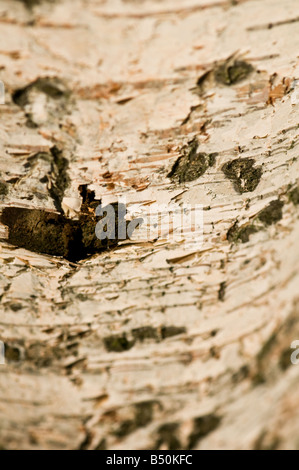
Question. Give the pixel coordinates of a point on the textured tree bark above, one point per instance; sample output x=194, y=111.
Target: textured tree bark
x=152, y=344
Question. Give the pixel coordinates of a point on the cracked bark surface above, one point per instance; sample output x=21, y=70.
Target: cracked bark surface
x=150, y=345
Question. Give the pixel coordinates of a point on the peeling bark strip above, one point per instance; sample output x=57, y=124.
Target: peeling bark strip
x=151, y=344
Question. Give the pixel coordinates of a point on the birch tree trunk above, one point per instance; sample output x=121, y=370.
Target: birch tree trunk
x=152, y=344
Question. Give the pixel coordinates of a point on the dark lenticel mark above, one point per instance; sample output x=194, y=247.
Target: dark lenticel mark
x=192, y=164
x=243, y=174
x=232, y=73
x=272, y=213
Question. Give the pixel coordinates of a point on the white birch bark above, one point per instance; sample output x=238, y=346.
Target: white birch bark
x=152, y=345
